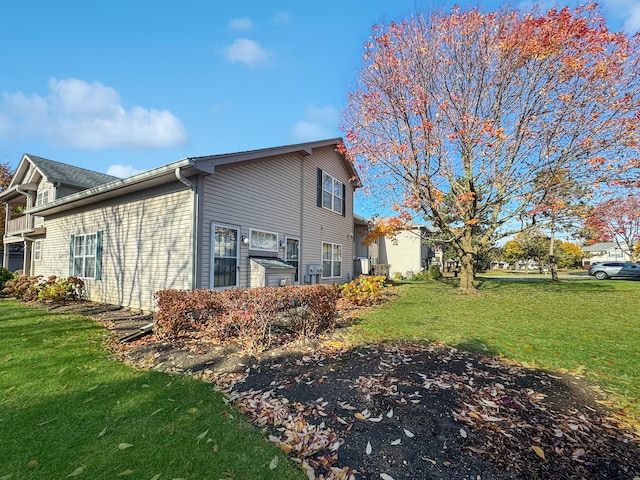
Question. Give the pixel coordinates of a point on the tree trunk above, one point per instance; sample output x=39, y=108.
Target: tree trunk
x=466, y=274
x=553, y=264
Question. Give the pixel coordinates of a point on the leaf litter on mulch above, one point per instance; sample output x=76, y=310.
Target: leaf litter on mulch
x=410, y=411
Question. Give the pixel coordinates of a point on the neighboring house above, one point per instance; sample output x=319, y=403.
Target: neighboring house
x=407, y=254
x=263, y=217
x=605, y=252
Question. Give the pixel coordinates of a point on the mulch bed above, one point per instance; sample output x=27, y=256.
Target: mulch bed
x=403, y=410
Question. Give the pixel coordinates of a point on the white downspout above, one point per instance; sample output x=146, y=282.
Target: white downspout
x=194, y=225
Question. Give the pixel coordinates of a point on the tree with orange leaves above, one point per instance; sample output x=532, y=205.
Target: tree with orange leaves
x=489, y=110
x=617, y=220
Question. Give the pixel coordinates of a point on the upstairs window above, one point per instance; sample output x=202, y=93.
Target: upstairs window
x=42, y=198
x=331, y=193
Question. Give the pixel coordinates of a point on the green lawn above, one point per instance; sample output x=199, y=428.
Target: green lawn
x=68, y=410
x=580, y=325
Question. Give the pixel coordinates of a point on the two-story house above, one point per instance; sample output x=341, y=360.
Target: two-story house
x=263, y=217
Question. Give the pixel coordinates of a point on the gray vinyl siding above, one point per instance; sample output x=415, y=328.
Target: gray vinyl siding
x=323, y=225
x=145, y=246
x=260, y=195
x=278, y=195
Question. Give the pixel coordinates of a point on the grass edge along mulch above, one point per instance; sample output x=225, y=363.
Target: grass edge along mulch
x=67, y=409
x=579, y=326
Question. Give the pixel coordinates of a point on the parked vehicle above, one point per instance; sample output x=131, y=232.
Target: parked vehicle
x=604, y=270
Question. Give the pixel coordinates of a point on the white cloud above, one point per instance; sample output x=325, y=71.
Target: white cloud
x=122, y=171
x=317, y=124
x=87, y=115
x=248, y=52
x=243, y=24
x=281, y=17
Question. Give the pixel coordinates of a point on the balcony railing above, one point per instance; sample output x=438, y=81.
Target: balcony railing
x=25, y=223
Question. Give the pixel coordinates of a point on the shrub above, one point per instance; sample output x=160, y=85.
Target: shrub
x=22, y=288
x=254, y=315
x=61, y=289
x=364, y=290
x=5, y=276
x=435, y=273
x=53, y=289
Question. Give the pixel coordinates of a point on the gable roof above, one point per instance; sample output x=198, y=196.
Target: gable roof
x=181, y=170
x=210, y=162
x=602, y=247
x=56, y=172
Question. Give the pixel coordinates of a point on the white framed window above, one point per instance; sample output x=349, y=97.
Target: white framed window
x=42, y=198
x=37, y=250
x=331, y=193
x=331, y=260
x=264, y=241
x=85, y=255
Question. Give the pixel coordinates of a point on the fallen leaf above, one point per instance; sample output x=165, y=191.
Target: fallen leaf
x=368, y=449
x=101, y=434
x=156, y=477
x=397, y=441
x=126, y=472
x=390, y=413
x=32, y=463
x=376, y=419
x=538, y=451
x=124, y=446
x=202, y=435
x=274, y=463
x=577, y=453
x=192, y=410
x=77, y=471
x=427, y=459
x=384, y=476
x=408, y=433
x=463, y=433
x=359, y=416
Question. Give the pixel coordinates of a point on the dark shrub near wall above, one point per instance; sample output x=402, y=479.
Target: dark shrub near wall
x=255, y=315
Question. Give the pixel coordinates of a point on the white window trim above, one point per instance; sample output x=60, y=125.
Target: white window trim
x=84, y=255
x=256, y=230
x=40, y=197
x=37, y=250
x=333, y=245
x=333, y=195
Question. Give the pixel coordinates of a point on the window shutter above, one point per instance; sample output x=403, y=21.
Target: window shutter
x=319, y=195
x=344, y=200
x=73, y=237
x=98, y=255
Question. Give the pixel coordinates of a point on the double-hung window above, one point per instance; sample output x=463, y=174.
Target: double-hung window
x=331, y=193
x=85, y=255
x=42, y=198
x=37, y=250
x=331, y=260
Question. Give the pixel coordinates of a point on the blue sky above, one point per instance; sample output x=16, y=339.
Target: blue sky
x=125, y=86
